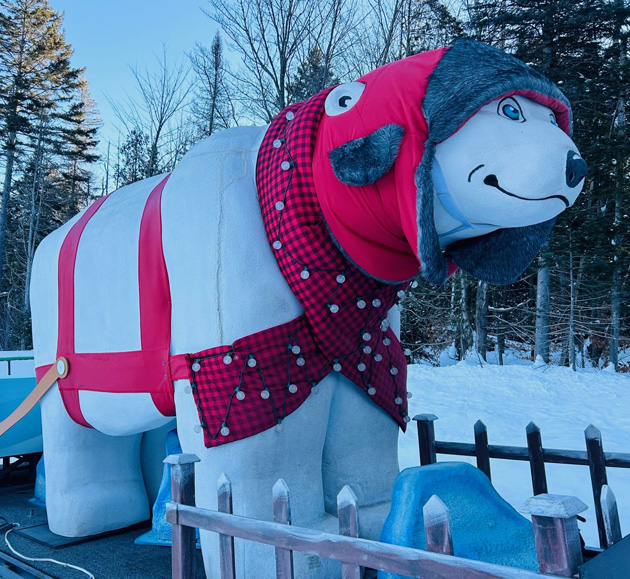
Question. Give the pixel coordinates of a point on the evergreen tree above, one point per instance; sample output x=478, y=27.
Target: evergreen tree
x=134, y=158
x=312, y=76
x=35, y=79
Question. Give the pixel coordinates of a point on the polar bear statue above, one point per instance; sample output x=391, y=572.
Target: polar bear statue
x=248, y=292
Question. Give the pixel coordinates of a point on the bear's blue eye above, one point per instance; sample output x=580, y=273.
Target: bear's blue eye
x=511, y=112
x=552, y=118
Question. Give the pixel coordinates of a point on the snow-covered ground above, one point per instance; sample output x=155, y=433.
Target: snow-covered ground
x=506, y=398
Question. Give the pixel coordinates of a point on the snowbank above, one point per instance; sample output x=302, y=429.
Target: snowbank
x=561, y=402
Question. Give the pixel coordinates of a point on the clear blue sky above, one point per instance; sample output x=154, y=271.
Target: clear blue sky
x=109, y=35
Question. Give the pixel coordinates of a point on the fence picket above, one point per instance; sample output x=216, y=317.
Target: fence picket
x=226, y=543
x=348, y=526
x=597, y=466
x=437, y=526
x=610, y=515
x=282, y=514
x=426, y=438
x=536, y=459
x=481, y=448
x=183, y=492
x=556, y=534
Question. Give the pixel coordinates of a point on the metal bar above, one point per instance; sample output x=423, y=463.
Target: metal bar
x=481, y=448
x=282, y=514
x=426, y=438
x=597, y=466
x=348, y=527
x=437, y=526
x=9, y=563
x=183, y=537
x=226, y=543
x=536, y=459
x=390, y=558
x=551, y=455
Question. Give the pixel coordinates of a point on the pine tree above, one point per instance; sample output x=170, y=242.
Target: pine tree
x=312, y=76
x=134, y=158
x=35, y=78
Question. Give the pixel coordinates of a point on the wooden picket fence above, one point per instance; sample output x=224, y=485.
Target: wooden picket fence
x=554, y=519
x=594, y=457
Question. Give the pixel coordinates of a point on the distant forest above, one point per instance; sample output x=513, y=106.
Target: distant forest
x=571, y=307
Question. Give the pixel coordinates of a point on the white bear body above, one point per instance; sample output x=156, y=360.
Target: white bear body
x=224, y=284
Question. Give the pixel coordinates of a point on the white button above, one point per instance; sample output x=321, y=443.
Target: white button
x=61, y=367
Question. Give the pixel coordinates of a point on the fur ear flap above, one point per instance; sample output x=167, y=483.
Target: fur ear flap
x=364, y=161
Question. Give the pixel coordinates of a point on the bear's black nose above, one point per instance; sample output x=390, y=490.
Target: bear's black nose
x=576, y=168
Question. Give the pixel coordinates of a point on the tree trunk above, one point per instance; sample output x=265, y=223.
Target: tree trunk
x=615, y=308
x=571, y=337
x=6, y=194
x=541, y=347
x=481, y=319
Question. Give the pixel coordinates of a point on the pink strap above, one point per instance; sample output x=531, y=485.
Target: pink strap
x=145, y=370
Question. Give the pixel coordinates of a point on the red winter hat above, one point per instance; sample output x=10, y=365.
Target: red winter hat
x=374, y=152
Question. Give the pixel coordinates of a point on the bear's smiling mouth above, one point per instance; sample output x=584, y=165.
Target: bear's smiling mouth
x=492, y=181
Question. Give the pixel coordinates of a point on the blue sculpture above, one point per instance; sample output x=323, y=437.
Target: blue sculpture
x=484, y=526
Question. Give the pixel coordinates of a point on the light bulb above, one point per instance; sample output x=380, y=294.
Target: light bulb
x=414, y=284
x=337, y=367
x=393, y=370
x=386, y=341
x=377, y=357
x=225, y=431
x=300, y=361
x=277, y=244
x=251, y=362
x=227, y=359
x=409, y=394
x=315, y=389
x=305, y=274
x=401, y=295
x=285, y=165
x=361, y=367
x=279, y=426
x=367, y=350
x=385, y=325
x=279, y=205
x=366, y=336
x=376, y=303
x=296, y=350
x=290, y=116
x=341, y=278
x=334, y=308
x=398, y=400
x=196, y=367
x=277, y=143
x=264, y=394
x=240, y=395
x=371, y=390
x=293, y=388
x=407, y=419
x=407, y=352
x=360, y=304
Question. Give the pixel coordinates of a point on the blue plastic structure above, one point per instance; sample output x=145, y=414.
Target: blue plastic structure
x=484, y=527
x=160, y=533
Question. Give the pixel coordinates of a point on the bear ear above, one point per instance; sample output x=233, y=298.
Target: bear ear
x=364, y=161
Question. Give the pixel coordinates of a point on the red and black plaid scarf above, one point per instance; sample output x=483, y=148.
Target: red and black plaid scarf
x=253, y=384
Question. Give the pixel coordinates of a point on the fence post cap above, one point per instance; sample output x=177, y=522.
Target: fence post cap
x=425, y=417
x=592, y=432
x=553, y=506
x=181, y=459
